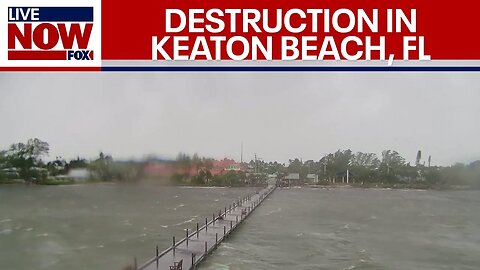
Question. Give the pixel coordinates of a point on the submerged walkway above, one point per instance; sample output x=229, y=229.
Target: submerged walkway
x=196, y=245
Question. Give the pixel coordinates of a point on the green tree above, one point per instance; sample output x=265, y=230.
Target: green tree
x=391, y=165
x=77, y=163
x=196, y=162
x=57, y=167
x=27, y=158
x=184, y=162
x=102, y=167
x=337, y=163
x=3, y=165
x=364, y=167
x=201, y=178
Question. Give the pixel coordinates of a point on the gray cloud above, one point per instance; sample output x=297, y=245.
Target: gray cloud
x=277, y=115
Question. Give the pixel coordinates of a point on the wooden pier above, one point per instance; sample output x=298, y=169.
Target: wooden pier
x=197, y=244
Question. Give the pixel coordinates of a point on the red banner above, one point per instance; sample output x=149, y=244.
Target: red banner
x=447, y=31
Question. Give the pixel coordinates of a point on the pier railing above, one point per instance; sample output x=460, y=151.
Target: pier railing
x=229, y=219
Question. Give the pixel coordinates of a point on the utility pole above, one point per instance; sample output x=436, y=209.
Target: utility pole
x=241, y=153
x=348, y=174
x=325, y=167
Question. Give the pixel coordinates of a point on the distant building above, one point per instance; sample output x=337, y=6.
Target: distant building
x=166, y=169
x=79, y=174
x=161, y=169
x=11, y=173
x=292, y=179
x=312, y=178
x=223, y=166
x=272, y=179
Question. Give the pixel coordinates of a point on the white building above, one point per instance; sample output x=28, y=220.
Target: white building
x=80, y=174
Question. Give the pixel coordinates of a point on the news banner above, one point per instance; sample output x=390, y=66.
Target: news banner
x=94, y=35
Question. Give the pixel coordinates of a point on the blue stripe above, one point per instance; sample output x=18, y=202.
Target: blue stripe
x=52, y=14
x=292, y=68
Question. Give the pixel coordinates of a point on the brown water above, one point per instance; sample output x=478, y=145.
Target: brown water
x=98, y=226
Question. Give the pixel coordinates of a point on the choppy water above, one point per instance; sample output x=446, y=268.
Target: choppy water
x=357, y=229
x=98, y=226
x=103, y=226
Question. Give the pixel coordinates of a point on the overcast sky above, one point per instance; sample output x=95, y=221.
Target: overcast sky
x=276, y=115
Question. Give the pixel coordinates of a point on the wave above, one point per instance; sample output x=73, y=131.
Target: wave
x=195, y=187
x=184, y=222
x=278, y=210
x=218, y=266
x=6, y=231
x=126, y=222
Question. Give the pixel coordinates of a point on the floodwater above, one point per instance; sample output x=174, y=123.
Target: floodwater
x=348, y=228
x=98, y=226
x=103, y=226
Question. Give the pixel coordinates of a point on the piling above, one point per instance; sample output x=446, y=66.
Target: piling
x=187, y=251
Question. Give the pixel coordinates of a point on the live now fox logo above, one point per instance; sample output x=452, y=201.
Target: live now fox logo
x=49, y=33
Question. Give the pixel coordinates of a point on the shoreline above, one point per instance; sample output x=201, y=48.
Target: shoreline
x=311, y=186
x=392, y=187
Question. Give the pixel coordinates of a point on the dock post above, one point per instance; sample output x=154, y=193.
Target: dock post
x=213, y=219
x=225, y=213
x=216, y=239
x=236, y=219
x=156, y=257
x=224, y=230
x=231, y=225
x=187, y=237
x=206, y=250
x=173, y=245
x=135, y=263
x=206, y=225
x=193, y=260
x=197, y=229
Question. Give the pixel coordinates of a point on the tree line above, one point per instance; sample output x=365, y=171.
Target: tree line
x=25, y=161
x=196, y=170
x=368, y=169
